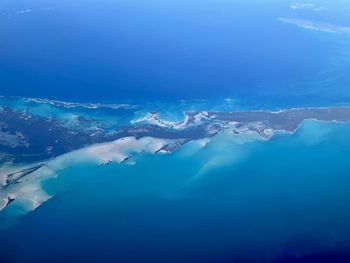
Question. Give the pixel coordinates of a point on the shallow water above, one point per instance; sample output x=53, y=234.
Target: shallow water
x=236, y=198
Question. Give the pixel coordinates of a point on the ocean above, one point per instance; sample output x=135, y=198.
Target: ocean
x=235, y=199
x=103, y=51
x=238, y=199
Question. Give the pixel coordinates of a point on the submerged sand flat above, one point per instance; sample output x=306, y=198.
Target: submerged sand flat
x=37, y=147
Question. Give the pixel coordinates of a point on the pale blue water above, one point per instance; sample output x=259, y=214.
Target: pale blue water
x=236, y=199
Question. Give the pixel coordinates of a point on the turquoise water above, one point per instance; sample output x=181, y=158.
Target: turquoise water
x=238, y=198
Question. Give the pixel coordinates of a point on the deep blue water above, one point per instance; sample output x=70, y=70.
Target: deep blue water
x=165, y=50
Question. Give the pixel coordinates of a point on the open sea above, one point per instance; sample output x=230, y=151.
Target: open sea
x=106, y=50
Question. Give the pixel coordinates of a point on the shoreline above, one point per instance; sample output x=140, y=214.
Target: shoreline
x=134, y=104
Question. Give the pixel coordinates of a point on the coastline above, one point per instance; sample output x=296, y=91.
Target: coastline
x=148, y=135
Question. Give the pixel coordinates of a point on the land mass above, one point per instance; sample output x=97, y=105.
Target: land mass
x=26, y=138
x=35, y=145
